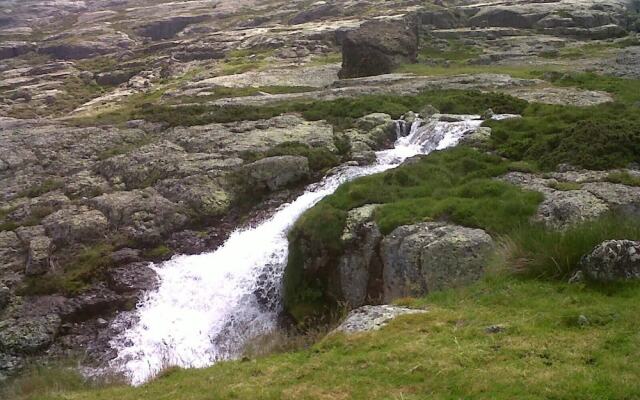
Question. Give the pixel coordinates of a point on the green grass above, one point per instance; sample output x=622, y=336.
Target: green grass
x=453, y=51
x=340, y=112
x=544, y=353
x=624, y=178
x=597, y=137
x=45, y=186
x=517, y=71
x=542, y=253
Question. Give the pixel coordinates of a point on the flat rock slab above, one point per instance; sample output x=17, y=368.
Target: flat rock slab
x=372, y=318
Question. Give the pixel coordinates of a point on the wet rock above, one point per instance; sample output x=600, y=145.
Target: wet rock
x=275, y=173
x=126, y=256
x=372, y=318
x=97, y=301
x=422, y=258
x=613, y=260
x=377, y=47
x=28, y=335
x=76, y=225
x=132, y=278
x=360, y=265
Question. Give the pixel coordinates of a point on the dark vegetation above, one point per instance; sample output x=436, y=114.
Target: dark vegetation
x=341, y=112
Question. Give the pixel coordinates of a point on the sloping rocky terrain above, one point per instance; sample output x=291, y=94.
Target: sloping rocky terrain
x=134, y=130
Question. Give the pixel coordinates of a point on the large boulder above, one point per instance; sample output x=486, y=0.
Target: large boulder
x=422, y=258
x=169, y=27
x=143, y=215
x=199, y=192
x=504, y=17
x=613, y=260
x=377, y=47
x=273, y=173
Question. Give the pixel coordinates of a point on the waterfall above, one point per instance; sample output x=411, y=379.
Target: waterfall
x=208, y=305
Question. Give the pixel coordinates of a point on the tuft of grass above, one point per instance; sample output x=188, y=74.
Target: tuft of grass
x=158, y=253
x=86, y=267
x=624, y=178
x=535, y=251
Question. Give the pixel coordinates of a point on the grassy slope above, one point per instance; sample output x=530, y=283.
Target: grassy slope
x=545, y=353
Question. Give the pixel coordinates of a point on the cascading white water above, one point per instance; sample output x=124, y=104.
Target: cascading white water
x=208, y=305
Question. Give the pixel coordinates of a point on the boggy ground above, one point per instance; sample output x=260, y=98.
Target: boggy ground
x=131, y=132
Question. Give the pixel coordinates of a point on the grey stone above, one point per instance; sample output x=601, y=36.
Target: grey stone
x=422, y=258
x=76, y=225
x=613, y=260
x=275, y=173
x=39, y=256
x=372, y=318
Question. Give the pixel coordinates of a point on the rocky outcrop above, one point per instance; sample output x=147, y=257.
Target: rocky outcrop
x=75, y=50
x=28, y=335
x=15, y=49
x=575, y=196
x=142, y=215
x=422, y=258
x=613, y=260
x=76, y=224
x=371, y=133
x=372, y=318
x=377, y=47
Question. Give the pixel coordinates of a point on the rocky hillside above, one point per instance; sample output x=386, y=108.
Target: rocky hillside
x=131, y=131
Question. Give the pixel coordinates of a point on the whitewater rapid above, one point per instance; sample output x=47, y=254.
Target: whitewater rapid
x=206, y=307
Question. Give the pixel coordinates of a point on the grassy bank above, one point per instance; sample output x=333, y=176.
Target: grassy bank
x=559, y=341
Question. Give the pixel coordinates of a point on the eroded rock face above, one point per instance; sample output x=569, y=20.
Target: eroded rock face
x=377, y=47
x=613, y=260
x=372, y=318
x=422, y=258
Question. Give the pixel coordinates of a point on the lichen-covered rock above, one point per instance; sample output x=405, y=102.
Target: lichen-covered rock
x=372, y=318
x=198, y=192
x=9, y=365
x=620, y=198
x=132, y=278
x=561, y=209
x=28, y=335
x=275, y=173
x=143, y=215
x=359, y=265
x=613, y=260
x=422, y=258
x=76, y=224
x=5, y=296
x=377, y=47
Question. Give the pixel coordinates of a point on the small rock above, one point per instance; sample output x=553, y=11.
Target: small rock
x=102, y=322
x=492, y=329
x=583, y=320
x=372, y=318
x=5, y=295
x=577, y=277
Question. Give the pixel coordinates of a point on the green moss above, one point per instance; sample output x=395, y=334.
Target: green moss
x=159, y=252
x=566, y=186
